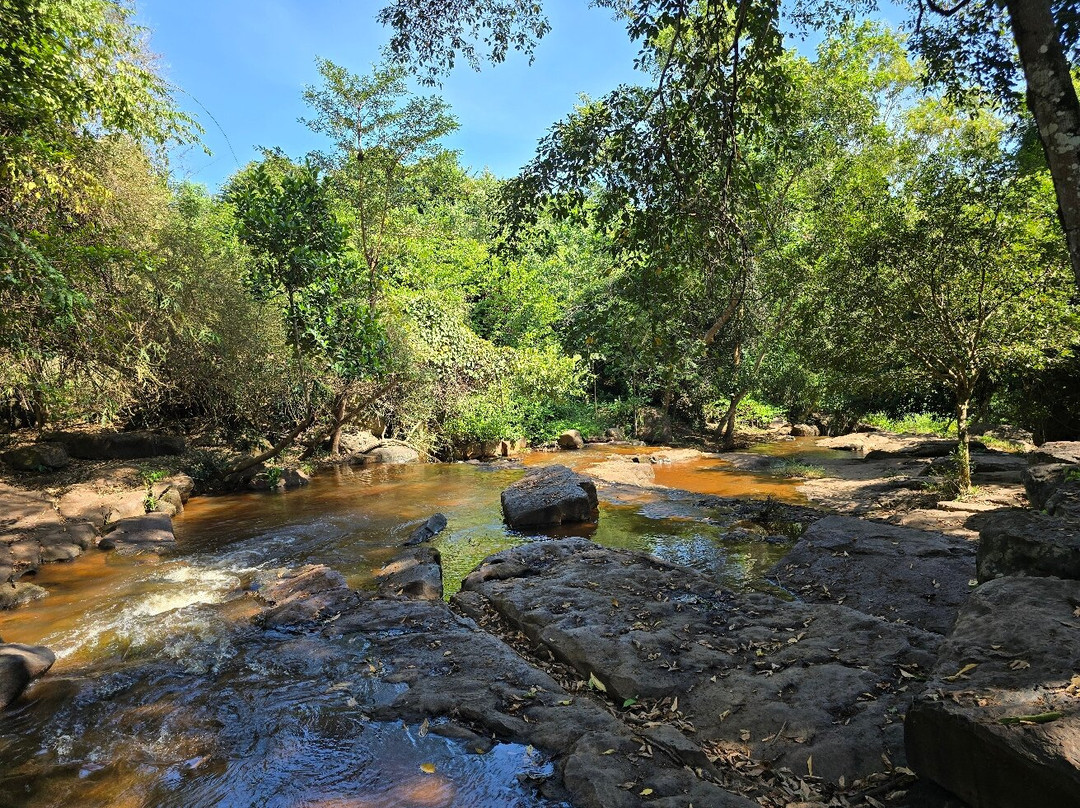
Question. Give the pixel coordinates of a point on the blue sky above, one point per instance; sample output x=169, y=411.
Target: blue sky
x=247, y=62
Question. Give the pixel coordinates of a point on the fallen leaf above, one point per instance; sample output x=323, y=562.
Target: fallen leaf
x=427, y=768
x=645, y=792
x=566, y=702
x=964, y=670
x=608, y=752
x=629, y=702
x=596, y=683
x=1019, y=664
x=810, y=765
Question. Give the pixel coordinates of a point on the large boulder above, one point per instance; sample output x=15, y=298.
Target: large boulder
x=392, y=454
x=1028, y=543
x=354, y=443
x=151, y=532
x=1058, y=451
x=549, y=497
x=896, y=573
x=16, y=593
x=999, y=722
x=804, y=431
x=782, y=682
x=37, y=457
x=1042, y=480
x=19, y=665
x=571, y=439
x=117, y=445
x=905, y=447
x=655, y=426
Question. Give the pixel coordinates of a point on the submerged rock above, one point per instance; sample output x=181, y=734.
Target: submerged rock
x=999, y=723
x=435, y=525
x=549, y=497
x=1028, y=543
x=783, y=681
x=16, y=593
x=19, y=665
x=896, y=573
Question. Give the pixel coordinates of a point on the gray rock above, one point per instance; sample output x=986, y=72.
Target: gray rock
x=920, y=447
x=896, y=573
x=786, y=681
x=435, y=525
x=118, y=445
x=614, y=433
x=19, y=665
x=37, y=457
x=655, y=426
x=169, y=502
x=17, y=593
x=1058, y=451
x=1041, y=481
x=415, y=574
x=571, y=439
x=295, y=478
x=357, y=442
x=1065, y=501
x=1028, y=543
x=152, y=532
x=548, y=497
x=392, y=454
x=304, y=595
x=804, y=431
x=1014, y=652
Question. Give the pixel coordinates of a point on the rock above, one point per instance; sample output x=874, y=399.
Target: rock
x=918, y=447
x=1014, y=652
x=1028, y=543
x=804, y=431
x=1041, y=481
x=18, y=593
x=392, y=454
x=896, y=573
x=312, y=592
x=655, y=426
x=571, y=439
x=354, y=443
x=1065, y=501
x=151, y=532
x=60, y=552
x=117, y=445
x=426, y=532
x=294, y=478
x=624, y=471
x=416, y=575
x=19, y=665
x=169, y=502
x=676, y=455
x=614, y=433
x=477, y=450
x=783, y=681
x=37, y=457
x=982, y=464
x=548, y=497
x=1058, y=451
x=512, y=448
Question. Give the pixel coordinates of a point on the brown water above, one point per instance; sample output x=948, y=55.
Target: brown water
x=164, y=695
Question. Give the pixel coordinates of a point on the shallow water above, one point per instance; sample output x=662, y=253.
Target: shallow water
x=163, y=694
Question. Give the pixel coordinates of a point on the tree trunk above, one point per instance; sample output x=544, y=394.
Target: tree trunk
x=963, y=450
x=1051, y=96
x=729, y=421
x=339, y=423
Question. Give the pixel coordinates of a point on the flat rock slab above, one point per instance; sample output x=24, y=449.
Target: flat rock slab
x=549, y=497
x=117, y=445
x=151, y=532
x=896, y=573
x=1029, y=543
x=19, y=665
x=467, y=683
x=1011, y=662
x=918, y=447
x=793, y=684
x=623, y=471
x=415, y=574
x=1058, y=451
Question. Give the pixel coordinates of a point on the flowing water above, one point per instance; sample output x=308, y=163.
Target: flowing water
x=165, y=695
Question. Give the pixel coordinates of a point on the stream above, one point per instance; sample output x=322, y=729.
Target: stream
x=164, y=694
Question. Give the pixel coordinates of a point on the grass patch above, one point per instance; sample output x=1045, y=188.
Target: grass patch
x=795, y=469
x=915, y=423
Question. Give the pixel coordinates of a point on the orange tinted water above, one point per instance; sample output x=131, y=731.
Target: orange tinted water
x=164, y=695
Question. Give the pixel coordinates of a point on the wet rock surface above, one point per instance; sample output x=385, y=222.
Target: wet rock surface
x=1028, y=543
x=152, y=532
x=431, y=528
x=896, y=573
x=415, y=574
x=551, y=496
x=999, y=722
x=801, y=686
x=19, y=665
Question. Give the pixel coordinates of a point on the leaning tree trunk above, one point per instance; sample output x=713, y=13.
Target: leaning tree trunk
x=1051, y=96
x=729, y=421
x=339, y=424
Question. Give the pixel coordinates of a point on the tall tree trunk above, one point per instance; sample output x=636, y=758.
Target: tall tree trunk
x=339, y=423
x=963, y=450
x=1051, y=96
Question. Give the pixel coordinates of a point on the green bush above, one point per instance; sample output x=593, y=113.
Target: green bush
x=922, y=423
x=749, y=413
